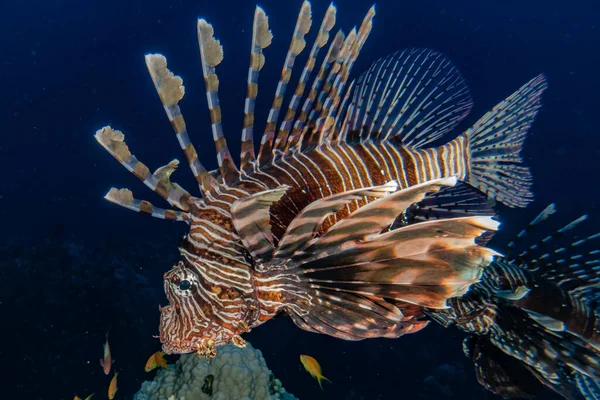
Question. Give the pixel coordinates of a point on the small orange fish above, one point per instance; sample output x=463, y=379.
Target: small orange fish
x=106, y=363
x=112, y=388
x=156, y=360
x=313, y=368
x=87, y=398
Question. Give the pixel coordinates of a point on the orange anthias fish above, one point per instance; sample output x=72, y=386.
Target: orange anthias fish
x=112, y=388
x=313, y=368
x=87, y=398
x=106, y=363
x=156, y=360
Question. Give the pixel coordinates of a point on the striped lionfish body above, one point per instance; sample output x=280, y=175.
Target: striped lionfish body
x=304, y=226
x=534, y=319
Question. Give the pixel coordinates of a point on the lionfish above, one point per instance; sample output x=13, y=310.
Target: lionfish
x=304, y=226
x=534, y=318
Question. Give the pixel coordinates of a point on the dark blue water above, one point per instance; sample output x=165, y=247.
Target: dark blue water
x=73, y=266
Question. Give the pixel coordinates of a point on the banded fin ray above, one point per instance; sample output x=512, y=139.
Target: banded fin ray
x=355, y=317
x=297, y=44
x=422, y=264
x=573, y=267
x=372, y=218
x=326, y=123
x=252, y=221
x=320, y=41
x=416, y=96
x=211, y=54
x=261, y=39
x=498, y=372
x=401, y=264
x=457, y=201
x=542, y=216
x=589, y=387
x=308, y=222
x=124, y=198
x=496, y=141
x=574, y=351
x=170, y=90
x=298, y=131
x=113, y=141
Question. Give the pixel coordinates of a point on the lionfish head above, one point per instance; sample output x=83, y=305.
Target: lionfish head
x=210, y=293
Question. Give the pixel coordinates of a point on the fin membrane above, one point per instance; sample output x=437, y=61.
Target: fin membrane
x=415, y=97
x=499, y=373
x=496, y=141
x=422, y=264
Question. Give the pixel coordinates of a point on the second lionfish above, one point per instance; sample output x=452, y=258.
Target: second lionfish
x=308, y=225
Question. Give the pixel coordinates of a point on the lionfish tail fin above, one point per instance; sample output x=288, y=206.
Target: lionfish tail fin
x=495, y=144
x=350, y=275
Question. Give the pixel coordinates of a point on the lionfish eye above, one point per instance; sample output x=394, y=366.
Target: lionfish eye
x=184, y=284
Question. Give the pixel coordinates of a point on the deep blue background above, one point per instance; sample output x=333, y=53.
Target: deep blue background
x=71, y=67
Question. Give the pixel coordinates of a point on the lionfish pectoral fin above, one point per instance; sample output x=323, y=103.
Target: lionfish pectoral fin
x=495, y=144
x=370, y=219
x=358, y=268
x=305, y=226
x=498, y=372
x=253, y=223
x=547, y=321
x=351, y=316
x=461, y=200
x=543, y=349
x=588, y=387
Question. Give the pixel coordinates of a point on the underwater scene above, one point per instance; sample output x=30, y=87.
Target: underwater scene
x=351, y=200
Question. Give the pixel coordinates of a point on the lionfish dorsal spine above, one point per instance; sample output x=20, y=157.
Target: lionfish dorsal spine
x=170, y=90
x=297, y=44
x=316, y=116
x=332, y=105
x=261, y=39
x=124, y=198
x=295, y=137
x=320, y=41
x=113, y=141
x=211, y=53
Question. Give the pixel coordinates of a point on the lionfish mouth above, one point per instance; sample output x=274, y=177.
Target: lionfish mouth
x=172, y=345
x=177, y=346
